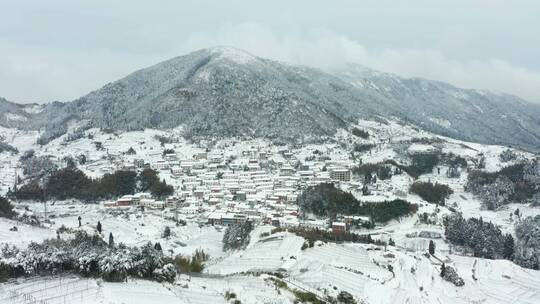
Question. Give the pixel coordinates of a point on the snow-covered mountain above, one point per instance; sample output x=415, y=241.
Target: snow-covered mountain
x=224, y=91
x=441, y=108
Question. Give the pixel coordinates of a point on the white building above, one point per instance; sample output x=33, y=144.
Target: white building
x=342, y=175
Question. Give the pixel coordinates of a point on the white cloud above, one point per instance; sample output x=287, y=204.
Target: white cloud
x=42, y=74
x=325, y=49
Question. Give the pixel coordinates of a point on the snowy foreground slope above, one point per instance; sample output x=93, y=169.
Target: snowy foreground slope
x=400, y=273
x=345, y=267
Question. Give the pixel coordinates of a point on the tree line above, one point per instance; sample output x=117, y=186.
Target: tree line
x=485, y=239
x=72, y=183
x=519, y=183
x=327, y=200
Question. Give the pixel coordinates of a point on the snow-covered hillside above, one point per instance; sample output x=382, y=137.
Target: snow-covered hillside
x=225, y=92
x=255, y=179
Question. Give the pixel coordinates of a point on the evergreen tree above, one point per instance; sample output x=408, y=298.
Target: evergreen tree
x=111, y=240
x=365, y=190
x=99, y=227
x=527, y=245
x=161, y=189
x=157, y=246
x=443, y=270
x=82, y=159
x=6, y=208
x=432, y=193
x=345, y=298
x=391, y=242
x=237, y=235
x=70, y=162
x=79, y=218
x=367, y=179
x=146, y=179
x=431, y=247
x=484, y=238
x=118, y=183
x=166, y=232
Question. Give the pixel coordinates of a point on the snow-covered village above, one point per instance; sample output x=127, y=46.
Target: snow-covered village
x=259, y=222
x=256, y=152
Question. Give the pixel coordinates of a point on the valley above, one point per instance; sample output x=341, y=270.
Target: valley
x=221, y=183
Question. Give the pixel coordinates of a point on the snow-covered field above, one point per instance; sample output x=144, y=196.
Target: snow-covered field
x=416, y=280
x=373, y=274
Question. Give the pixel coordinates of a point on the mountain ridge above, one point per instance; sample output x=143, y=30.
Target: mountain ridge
x=224, y=91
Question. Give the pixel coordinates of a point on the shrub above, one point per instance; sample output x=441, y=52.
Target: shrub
x=423, y=163
x=64, y=229
x=383, y=171
x=99, y=145
x=166, y=232
x=279, y=283
x=450, y=274
x=230, y=295
x=164, y=139
x=6, y=208
x=191, y=264
x=312, y=235
x=345, y=298
x=74, y=136
x=454, y=160
x=237, y=235
x=4, y=147
x=165, y=274
x=168, y=151
x=360, y=133
x=30, y=191
x=433, y=193
x=507, y=155
x=306, y=297
x=363, y=147
x=36, y=166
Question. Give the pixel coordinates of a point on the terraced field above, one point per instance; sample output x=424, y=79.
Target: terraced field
x=268, y=254
x=50, y=291
x=500, y=281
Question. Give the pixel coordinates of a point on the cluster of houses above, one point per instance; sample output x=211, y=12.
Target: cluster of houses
x=255, y=185
x=143, y=200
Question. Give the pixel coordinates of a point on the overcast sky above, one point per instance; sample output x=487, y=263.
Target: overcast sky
x=60, y=50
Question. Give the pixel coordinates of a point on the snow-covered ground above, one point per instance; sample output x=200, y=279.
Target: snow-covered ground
x=373, y=274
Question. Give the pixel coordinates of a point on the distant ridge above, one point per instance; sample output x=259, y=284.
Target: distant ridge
x=223, y=91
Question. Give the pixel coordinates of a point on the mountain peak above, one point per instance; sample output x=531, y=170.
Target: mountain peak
x=224, y=91
x=232, y=54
